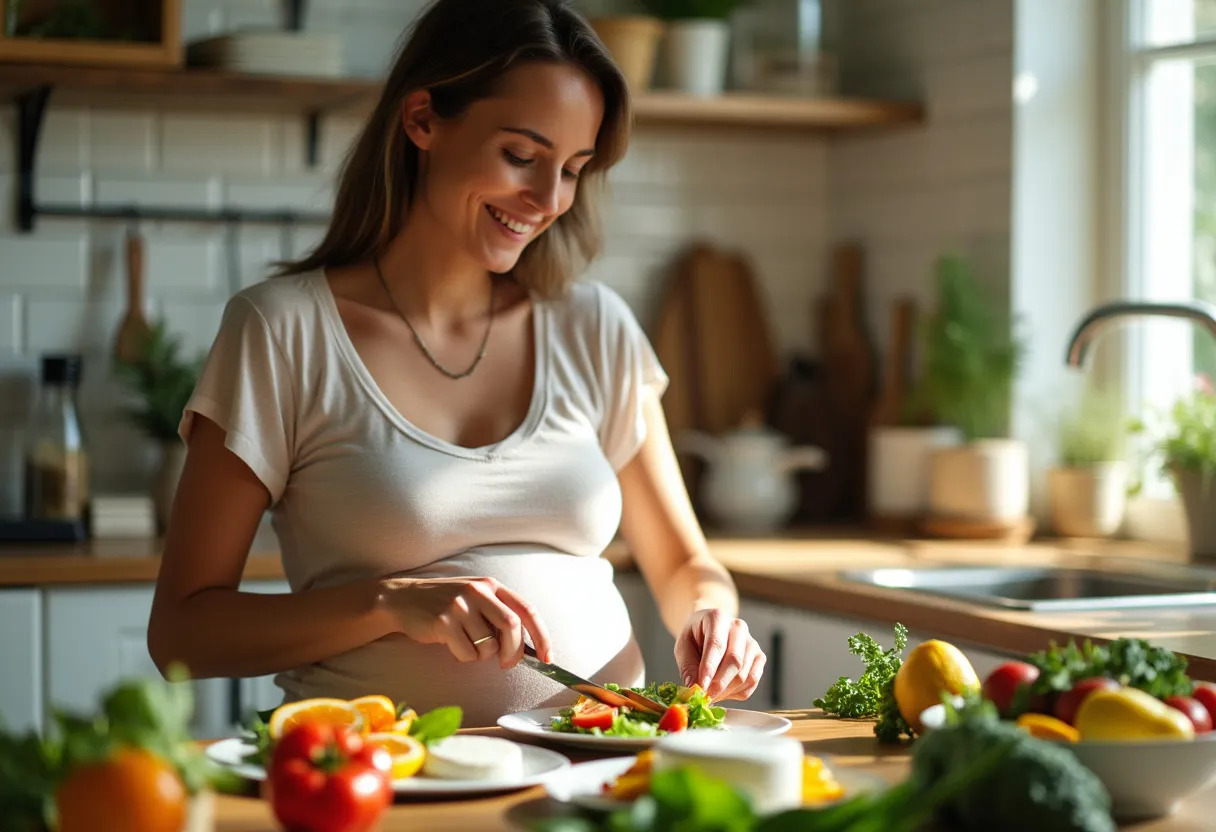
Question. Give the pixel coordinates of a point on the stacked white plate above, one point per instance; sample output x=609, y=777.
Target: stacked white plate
x=270, y=52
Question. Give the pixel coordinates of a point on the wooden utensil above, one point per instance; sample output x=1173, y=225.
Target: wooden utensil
x=134, y=331
x=896, y=365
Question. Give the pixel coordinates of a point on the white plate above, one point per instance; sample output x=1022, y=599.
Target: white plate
x=536, y=724
x=583, y=784
x=539, y=765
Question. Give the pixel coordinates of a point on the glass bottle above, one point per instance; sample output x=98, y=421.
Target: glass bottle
x=56, y=464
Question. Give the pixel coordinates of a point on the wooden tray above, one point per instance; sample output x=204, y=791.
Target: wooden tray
x=164, y=53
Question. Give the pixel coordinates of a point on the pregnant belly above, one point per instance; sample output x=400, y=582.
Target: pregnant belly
x=577, y=601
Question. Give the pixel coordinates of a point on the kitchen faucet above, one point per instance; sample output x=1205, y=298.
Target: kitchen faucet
x=1098, y=319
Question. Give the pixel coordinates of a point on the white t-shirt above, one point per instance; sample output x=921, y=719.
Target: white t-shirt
x=358, y=491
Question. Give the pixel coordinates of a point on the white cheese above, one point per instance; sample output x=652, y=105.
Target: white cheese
x=767, y=768
x=465, y=757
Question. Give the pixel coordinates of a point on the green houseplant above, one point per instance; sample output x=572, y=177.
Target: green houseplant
x=696, y=43
x=691, y=9
x=971, y=356
x=1087, y=491
x=161, y=381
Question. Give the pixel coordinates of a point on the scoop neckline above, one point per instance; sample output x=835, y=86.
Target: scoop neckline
x=522, y=431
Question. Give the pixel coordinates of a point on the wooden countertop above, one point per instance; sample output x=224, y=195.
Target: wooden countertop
x=799, y=570
x=850, y=742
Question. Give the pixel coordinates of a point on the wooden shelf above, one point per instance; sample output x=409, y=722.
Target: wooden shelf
x=198, y=87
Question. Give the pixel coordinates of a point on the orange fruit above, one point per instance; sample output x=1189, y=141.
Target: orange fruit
x=379, y=712
x=332, y=711
x=408, y=753
x=132, y=791
x=1046, y=727
x=819, y=784
x=931, y=669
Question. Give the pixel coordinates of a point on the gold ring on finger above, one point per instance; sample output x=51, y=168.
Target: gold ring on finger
x=483, y=640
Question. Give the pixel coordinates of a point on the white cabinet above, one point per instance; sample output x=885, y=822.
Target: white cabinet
x=656, y=643
x=21, y=659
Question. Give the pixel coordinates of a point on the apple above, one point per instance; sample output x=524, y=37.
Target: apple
x=1068, y=702
x=1205, y=693
x=1195, y=711
x=1002, y=685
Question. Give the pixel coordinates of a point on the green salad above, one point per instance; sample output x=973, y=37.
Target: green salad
x=687, y=707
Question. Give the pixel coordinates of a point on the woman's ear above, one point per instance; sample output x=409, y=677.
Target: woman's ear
x=418, y=119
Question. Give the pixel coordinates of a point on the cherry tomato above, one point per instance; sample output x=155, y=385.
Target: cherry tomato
x=675, y=718
x=1205, y=692
x=591, y=714
x=1068, y=702
x=1003, y=684
x=324, y=778
x=1195, y=711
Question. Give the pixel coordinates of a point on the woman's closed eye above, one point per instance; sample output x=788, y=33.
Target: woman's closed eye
x=523, y=162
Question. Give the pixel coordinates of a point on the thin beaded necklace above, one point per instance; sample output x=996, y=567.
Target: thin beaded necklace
x=481, y=352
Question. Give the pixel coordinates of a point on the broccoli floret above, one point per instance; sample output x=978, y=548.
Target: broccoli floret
x=1039, y=785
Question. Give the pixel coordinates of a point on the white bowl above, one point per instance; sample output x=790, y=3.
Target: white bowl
x=1148, y=779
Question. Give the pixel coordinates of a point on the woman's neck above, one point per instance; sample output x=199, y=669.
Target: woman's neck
x=431, y=279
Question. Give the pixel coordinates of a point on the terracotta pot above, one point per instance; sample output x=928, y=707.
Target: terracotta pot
x=1089, y=501
x=1199, y=501
x=987, y=480
x=633, y=41
x=164, y=486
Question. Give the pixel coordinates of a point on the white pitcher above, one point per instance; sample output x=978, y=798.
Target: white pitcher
x=750, y=485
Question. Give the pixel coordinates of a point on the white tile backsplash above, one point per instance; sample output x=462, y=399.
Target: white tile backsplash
x=63, y=143
x=178, y=191
x=47, y=261
x=10, y=324
x=205, y=142
x=122, y=140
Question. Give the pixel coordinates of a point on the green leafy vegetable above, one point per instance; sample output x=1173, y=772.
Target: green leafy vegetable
x=864, y=697
x=437, y=724
x=1130, y=661
x=702, y=713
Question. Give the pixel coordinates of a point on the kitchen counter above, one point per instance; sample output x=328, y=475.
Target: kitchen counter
x=797, y=570
x=851, y=744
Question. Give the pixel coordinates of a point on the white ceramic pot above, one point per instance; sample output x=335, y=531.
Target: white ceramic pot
x=694, y=56
x=1089, y=501
x=164, y=485
x=1199, y=501
x=986, y=480
x=898, y=469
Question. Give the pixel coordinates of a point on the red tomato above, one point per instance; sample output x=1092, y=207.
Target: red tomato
x=1068, y=702
x=1003, y=683
x=1195, y=711
x=591, y=714
x=323, y=778
x=1205, y=693
x=675, y=718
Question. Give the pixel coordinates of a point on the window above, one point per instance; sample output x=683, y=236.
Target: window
x=1167, y=106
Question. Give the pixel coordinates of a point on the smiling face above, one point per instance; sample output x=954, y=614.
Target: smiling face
x=493, y=179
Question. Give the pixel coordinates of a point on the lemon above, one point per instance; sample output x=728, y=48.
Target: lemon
x=931, y=669
x=333, y=711
x=408, y=753
x=404, y=722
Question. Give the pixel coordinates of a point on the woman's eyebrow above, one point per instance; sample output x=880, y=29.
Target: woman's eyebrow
x=543, y=141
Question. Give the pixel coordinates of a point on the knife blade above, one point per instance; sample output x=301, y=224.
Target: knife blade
x=624, y=698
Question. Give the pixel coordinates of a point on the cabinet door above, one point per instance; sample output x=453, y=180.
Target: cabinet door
x=257, y=693
x=764, y=624
x=21, y=659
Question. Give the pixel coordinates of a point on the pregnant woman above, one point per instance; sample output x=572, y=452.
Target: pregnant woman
x=447, y=426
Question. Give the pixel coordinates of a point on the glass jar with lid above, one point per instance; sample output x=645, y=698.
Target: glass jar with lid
x=56, y=461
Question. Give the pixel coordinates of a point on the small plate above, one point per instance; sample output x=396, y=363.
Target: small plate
x=582, y=785
x=536, y=724
x=539, y=765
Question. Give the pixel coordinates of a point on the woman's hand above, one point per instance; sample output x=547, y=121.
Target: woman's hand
x=476, y=618
x=717, y=652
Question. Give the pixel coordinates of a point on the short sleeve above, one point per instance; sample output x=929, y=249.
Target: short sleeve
x=246, y=388
x=630, y=368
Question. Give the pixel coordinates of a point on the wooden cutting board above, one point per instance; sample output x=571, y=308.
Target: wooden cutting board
x=713, y=339
x=897, y=365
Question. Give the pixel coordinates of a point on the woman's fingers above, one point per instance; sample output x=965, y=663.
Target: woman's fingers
x=531, y=622
x=737, y=640
x=452, y=633
x=504, y=621
x=748, y=678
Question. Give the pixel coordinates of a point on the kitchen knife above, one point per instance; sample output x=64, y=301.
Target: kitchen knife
x=624, y=698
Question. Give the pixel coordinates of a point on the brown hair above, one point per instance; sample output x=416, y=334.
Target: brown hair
x=457, y=50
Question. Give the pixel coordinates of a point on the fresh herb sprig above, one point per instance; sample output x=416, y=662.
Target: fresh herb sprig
x=1130, y=661
x=863, y=698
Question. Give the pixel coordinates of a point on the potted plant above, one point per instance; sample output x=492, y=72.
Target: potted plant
x=971, y=357
x=696, y=43
x=633, y=40
x=1187, y=447
x=163, y=382
x=1087, y=491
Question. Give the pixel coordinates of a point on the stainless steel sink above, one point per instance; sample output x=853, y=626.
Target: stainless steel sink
x=1047, y=588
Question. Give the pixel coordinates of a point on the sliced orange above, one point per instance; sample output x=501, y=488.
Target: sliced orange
x=407, y=753
x=819, y=784
x=1046, y=727
x=404, y=722
x=379, y=712
x=332, y=711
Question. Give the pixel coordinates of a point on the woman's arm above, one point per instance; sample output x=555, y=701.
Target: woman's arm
x=201, y=619
x=696, y=596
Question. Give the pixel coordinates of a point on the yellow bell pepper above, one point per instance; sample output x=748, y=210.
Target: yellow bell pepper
x=1130, y=714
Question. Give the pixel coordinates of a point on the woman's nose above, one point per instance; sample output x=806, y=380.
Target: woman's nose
x=545, y=192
